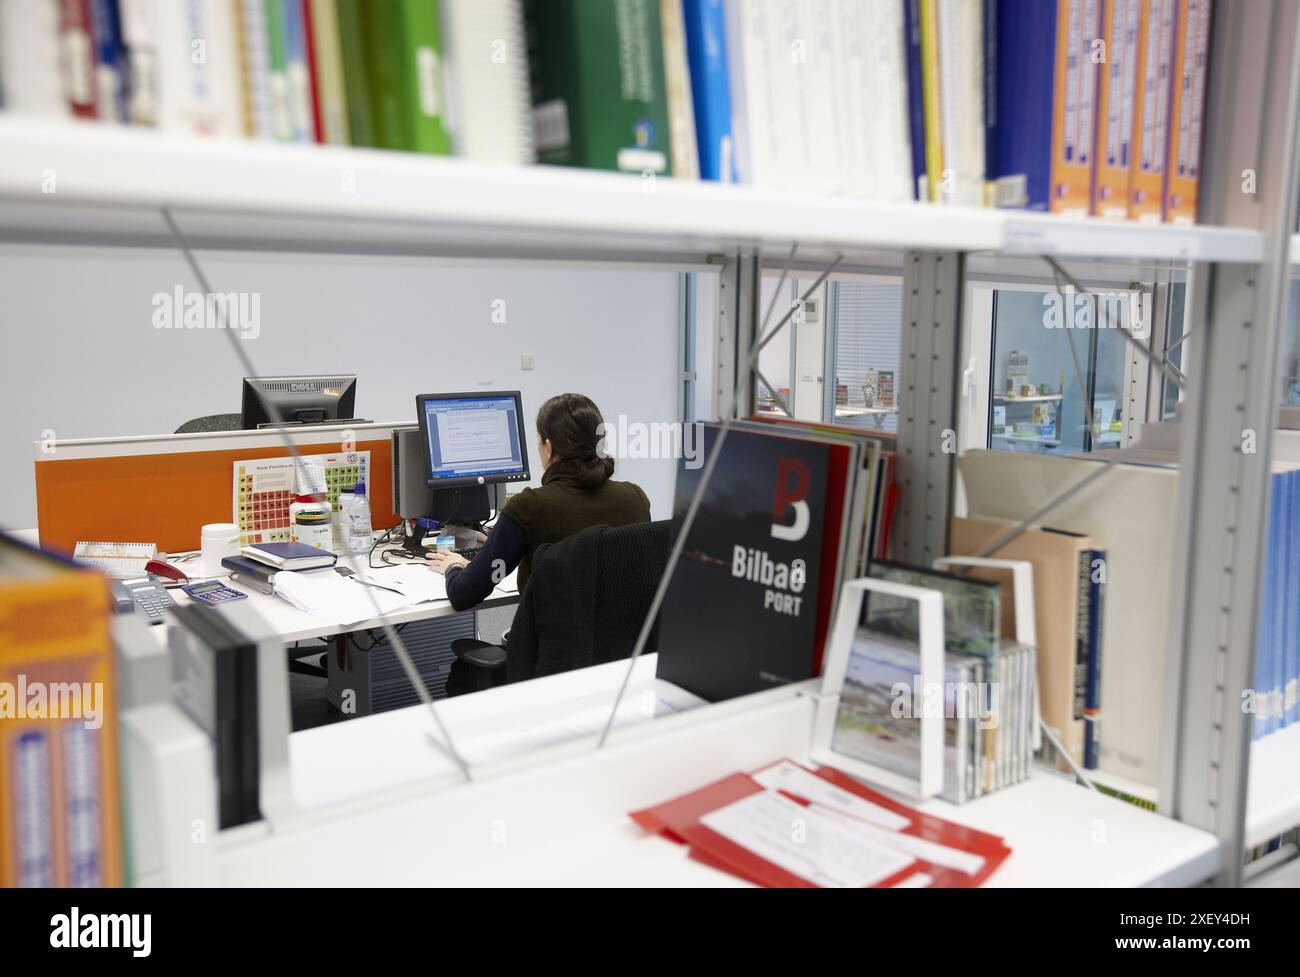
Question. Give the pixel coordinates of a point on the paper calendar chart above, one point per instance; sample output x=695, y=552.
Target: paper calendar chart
x=264, y=489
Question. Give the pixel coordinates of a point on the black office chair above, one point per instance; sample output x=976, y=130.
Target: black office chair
x=211, y=423
x=585, y=601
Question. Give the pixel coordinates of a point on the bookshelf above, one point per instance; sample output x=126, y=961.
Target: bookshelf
x=110, y=182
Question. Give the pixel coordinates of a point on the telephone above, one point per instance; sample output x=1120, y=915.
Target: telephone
x=145, y=593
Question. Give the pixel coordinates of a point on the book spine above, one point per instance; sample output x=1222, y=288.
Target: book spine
x=1083, y=585
x=30, y=67
x=1291, y=695
x=278, y=71
x=77, y=57
x=422, y=76
x=110, y=61
x=490, y=113
x=327, y=72
x=677, y=81
x=356, y=77
x=1031, y=46
x=1092, y=690
x=389, y=98
x=1273, y=656
x=887, y=102
x=1182, y=172
x=990, y=100
x=706, y=50
x=313, y=88
x=1075, y=106
x=1115, y=109
x=931, y=98
x=297, y=73
x=1151, y=111
x=140, y=40
x=255, y=67
x=916, y=98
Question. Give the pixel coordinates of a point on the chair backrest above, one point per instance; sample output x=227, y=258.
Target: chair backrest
x=212, y=422
x=587, y=597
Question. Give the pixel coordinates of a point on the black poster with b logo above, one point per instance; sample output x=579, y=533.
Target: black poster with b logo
x=747, y=606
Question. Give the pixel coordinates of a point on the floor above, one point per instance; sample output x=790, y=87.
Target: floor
x=308, y=704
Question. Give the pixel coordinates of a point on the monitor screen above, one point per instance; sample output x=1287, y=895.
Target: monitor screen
x=471, y=435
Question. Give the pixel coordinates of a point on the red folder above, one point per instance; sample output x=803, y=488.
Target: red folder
x=679, y=821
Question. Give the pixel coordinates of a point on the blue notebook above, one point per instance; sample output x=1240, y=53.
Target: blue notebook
x=290, y=556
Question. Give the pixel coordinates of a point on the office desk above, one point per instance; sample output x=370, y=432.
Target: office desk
x=293, y=625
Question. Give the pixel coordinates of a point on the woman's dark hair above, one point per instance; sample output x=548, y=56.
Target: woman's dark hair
x=572, y=423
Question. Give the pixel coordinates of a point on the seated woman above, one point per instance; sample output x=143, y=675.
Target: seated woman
x=576, y=492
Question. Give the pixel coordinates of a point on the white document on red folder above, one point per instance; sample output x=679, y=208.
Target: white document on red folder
x=805, y=841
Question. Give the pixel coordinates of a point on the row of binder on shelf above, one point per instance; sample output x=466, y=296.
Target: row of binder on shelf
x=1065, y=106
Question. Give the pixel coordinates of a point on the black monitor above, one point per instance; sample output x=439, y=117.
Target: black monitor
x=298, y=400
x=472, y=438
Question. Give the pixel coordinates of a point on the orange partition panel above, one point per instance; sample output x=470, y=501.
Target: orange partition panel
x=168, y=498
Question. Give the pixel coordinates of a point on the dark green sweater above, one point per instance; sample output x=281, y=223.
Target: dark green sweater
x=556, y=510
x=560, y=508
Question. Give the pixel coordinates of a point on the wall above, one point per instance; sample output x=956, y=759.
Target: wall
x=84, y=359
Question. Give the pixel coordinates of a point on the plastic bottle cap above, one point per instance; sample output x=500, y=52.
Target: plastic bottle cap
x=360, y=489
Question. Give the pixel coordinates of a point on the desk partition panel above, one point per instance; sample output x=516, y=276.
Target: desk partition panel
x=164, y=489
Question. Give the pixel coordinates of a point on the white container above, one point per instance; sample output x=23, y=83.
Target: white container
x=218, y=540
x=341, y=517
x=311, y=521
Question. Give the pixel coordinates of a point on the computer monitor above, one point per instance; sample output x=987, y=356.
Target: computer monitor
x=298, y=400
x=473, y=438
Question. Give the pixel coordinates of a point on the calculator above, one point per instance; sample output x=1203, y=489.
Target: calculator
x=212, y=592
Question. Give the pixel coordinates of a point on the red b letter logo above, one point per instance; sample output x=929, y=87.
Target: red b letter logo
x=792, y=480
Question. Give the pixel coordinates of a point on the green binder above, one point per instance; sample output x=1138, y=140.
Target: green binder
x=596, y=68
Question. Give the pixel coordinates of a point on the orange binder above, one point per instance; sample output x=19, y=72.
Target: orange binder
x=1187, y=111
x=1151, y=110
x=1120, y=20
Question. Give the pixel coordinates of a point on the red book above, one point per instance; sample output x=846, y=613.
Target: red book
x=77, y=57
x=309, y=37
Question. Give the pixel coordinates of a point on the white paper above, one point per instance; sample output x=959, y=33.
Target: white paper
x=417, y=583
x=334, y=598
x=805, y=841
x=796, y=780
x=930, y=851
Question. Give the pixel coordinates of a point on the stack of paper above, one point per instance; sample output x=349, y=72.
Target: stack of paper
x=335, y=598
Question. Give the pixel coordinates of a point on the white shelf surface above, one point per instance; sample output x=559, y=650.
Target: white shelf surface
x=1027, y=400
x=1061, y=834
x=1273, y=794
x=110, y=182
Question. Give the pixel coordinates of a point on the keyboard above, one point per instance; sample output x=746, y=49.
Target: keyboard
x=468, y=552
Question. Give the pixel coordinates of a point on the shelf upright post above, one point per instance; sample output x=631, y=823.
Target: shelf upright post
x=1248, y=179
x=933, y=283
x=738, y=312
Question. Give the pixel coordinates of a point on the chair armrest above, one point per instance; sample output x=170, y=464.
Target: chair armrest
x=480, y=654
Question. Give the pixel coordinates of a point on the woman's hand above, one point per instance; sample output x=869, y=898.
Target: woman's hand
x=442, y=562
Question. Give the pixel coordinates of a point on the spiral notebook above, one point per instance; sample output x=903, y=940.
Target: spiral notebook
x=119, y=560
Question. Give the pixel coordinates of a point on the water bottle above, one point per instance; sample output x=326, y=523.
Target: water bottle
x=360, y=537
